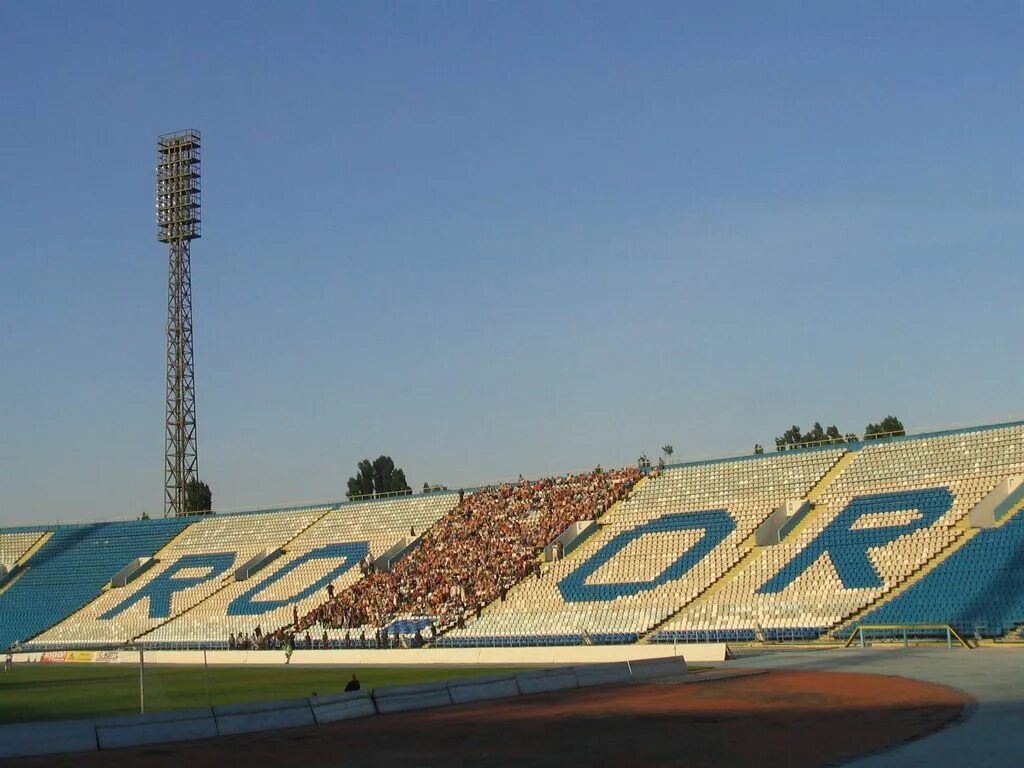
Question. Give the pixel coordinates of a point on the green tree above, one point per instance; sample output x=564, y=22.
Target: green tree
x=794, y=436
x=198, y=498
x=377, y=477
x=789, y=438
x=758, y=449
x=890, y=426
x=668, y=450
x=816, y=435
x=362, y=483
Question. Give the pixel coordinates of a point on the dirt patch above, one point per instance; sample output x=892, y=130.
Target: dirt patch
x=788, y=719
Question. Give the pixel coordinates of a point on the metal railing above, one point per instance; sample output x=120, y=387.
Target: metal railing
x=385, y=495
x=841, y=440
x=906, y=632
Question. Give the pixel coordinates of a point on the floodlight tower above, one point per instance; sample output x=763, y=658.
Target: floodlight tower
x=178, y=224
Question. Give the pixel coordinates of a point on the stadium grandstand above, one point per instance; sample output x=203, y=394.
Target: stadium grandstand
x=801, y=545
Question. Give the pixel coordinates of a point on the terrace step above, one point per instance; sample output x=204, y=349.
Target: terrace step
x=834, y=471
x=45, y=537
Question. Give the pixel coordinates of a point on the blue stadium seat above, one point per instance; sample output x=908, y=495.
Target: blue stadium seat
x=71, y=568
x=980, y=586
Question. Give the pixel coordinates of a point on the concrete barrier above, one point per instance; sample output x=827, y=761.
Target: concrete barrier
x=402, y=698
x=780, y=522
x=540, y=656
x=602, y=674
x=987, y=512
x=658, y=669
x=26, y=739
x=157, y=728
x=544, y=680
x=342, y=706
x=482, y=688
x=263, y=716
x=132, y=571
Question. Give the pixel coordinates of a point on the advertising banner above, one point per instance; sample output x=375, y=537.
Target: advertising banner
x=80, y=656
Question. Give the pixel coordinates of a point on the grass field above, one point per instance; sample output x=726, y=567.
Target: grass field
x=56, y=692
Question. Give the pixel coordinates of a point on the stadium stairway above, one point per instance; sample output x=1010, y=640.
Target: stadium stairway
x=827, y=479
x=813, y=499
x=36, y=546
x=814, y=495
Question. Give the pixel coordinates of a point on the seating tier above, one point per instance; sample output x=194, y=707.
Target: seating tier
x=16, y=543
x=653, y=554
x=897, y=505
x=70, y=569
x=326, y=553
x=189, y=569
x=477, y=552
x=979, y=589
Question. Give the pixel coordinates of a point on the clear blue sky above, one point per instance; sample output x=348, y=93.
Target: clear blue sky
x=491, y=238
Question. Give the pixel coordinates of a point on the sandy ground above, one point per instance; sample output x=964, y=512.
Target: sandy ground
x=781, y=718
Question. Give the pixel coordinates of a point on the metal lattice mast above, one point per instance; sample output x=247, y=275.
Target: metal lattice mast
x=178, y=223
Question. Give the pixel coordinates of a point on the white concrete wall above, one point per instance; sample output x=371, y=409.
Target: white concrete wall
x=983, y=513
x=767, y=534
x=130, y=571
x=383, y=563
x=491, y=657
x=421, y=657
x=568, y=536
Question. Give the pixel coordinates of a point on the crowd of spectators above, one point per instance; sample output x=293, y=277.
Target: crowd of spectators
x=257, y=640
x=474, y=554
x=285, y=638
